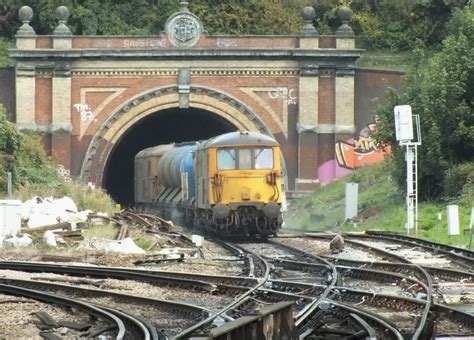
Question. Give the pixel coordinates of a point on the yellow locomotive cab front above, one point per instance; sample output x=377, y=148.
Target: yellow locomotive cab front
x=239, y=184
x=245, y=175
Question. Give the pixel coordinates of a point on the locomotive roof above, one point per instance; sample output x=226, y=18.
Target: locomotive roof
x=239, y=138
x=154, y=150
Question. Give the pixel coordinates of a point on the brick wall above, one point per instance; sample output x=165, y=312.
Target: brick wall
x=7, y=91
x=370, y=91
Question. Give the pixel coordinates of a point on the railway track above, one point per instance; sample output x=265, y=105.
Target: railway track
x=168, y=316
x=118, y=324
x=333, y=296
x=419, y=251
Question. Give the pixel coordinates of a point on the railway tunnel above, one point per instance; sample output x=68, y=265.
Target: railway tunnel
x=162, y=127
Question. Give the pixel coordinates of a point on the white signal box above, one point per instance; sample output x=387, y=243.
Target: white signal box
x=403, y=123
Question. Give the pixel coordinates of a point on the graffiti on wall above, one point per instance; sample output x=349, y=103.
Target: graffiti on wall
x=352, y=154
x=360, y=151
x=283, y=92
x=224, y=42
x=85, y=111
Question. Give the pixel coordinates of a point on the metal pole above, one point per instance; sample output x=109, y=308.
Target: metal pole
x=470, y=240
x=9, y=184
x=438, y=221
x=471, y=226
x=409, y=198
x=415, y=185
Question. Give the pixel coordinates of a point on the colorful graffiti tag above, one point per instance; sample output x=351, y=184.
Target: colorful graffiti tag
x=352, y=154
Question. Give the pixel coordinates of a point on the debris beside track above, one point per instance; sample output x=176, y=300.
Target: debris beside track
x=127, y=238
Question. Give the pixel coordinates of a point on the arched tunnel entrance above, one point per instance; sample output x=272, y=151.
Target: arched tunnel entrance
x=162, y=127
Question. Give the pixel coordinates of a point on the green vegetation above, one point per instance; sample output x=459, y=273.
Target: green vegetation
x=144, y=243
x=83, y=197
x=384, y=26
x=440, y=90
x=108, y=231
x=381, y=60
x=23, y=155
x=381, y=206
x=34, y=174
x=5, y=60
x=389, y=25
x=431, y=40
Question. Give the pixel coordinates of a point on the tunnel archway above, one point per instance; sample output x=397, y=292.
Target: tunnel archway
x=162, y=127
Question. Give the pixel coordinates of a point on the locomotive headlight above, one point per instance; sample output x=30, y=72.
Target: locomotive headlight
x=220, y=211
x=271, y=210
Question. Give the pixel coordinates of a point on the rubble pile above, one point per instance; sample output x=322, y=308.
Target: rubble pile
x=56, y=224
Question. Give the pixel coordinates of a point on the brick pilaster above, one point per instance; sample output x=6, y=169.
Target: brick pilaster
x=306, y=126
x=25, y=96
x=61, y=116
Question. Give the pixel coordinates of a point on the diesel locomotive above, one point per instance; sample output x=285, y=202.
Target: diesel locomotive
x=229, y=185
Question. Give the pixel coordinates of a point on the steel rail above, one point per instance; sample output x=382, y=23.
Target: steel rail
x=464, y=253
x=196, y=312
x=467, y=320
x=273, y=296
x=347, y=271
x=147, y=331
x=422, y=326
x=308, y=289
x=240, y=300
x=459, y=258
x=215, y=279
x=450, y=274
x=371, y=318
x=309, y=312
x=106, y=272
x=198, y=277
x=361, y=298
x=64, y=301
x=421, y=273
x=255, y=269
x=362, y=246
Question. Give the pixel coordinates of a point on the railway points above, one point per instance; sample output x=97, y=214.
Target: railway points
x=370, y=288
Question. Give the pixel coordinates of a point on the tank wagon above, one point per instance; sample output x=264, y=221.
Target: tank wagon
x=230, y=184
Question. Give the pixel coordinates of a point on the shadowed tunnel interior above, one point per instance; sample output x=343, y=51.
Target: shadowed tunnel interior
x=162, y=127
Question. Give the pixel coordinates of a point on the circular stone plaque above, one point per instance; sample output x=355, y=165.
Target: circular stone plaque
x=183, y=29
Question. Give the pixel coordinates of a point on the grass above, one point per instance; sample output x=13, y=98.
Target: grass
x=143, y=243
x=381, y=206
x=398, y=61
x=107, y=231
x=84, y=197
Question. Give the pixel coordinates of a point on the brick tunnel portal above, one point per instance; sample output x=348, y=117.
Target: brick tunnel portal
x=162, y=127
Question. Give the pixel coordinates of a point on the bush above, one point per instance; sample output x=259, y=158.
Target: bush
x=5, y=59
x=34, y=174
x=459, y=183
x=83, y=196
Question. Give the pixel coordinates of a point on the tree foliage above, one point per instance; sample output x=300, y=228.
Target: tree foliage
x=386, y=24
x=24, y=156
x=402, y=24
x=441, y=91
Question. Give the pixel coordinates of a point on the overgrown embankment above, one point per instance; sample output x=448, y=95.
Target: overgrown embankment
x=34, y=174
x=381, y=206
